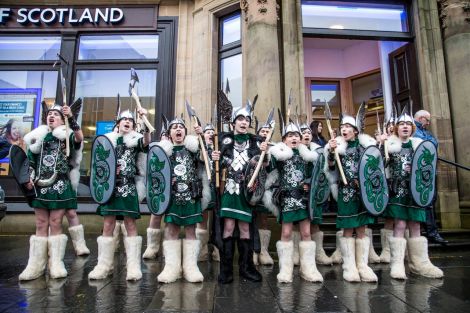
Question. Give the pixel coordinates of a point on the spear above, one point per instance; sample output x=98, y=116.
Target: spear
x=63, y=86
x=133, y=94
x=192, y=114
x=330, y=130
x=261, y=158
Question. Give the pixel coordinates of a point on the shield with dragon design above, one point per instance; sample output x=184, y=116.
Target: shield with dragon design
x=254, y=194
x=319, y=187
x=423, y=173
x=103, y=169
x=158, y=180
x=372, y=181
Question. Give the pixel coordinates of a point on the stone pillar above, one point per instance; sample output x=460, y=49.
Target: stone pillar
x=433, y=82
x=260, y=48
x=455, y=21
x=293, y=53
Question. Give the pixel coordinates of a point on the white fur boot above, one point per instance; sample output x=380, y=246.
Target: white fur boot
x=215, y=254
x=133, y=246
x=172, y=270
x=37, y=258
x=397, y=248
x=419, y=262
x=78, y=240
x=348, y=254
x=362, y=257
x=190, y=254
x=203, y=236
x=264, y=257
x=154, y=237
x=285, y=252
x=385, y=235
x=320, y=255
x=56, y=247
x=104, y=268
x=336, y=257
x=296, y=239
x=373, y=256
x=308, y=268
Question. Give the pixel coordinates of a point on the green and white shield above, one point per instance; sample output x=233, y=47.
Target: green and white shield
x=254, y=194
x=423, y=173
x=103, y=169
x=158, y=180
x=372, y=181
x=319, y=187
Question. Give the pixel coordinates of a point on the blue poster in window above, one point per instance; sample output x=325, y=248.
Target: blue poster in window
x=104, y=127
x=19, y=114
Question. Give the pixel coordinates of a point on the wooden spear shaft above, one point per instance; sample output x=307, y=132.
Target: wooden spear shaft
x=260, y=161
x=338, y=161
x=204, y=152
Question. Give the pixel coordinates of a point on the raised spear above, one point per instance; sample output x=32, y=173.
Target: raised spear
x=133, y=94
x=192, y=114
x=63, y=86
x=330, y=130
x=271, y=124
x=215, y=122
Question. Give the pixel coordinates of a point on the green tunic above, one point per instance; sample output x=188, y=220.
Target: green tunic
x=234, y=204
x=52, y=158
x=185, y=206
x=401, y=205
x=293, y=198
x=351, y=211
x=125, y=200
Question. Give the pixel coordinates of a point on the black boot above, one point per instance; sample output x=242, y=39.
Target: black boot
x=247, y=267
x=226, y=261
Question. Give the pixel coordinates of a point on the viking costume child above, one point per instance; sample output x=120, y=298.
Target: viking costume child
x=262, y=212
x=237, y=149
x=291, y=162
x=352, y=214
x=403, y=209
x=130, y=148
x=55, y=176
x=317, y=234
x=185, y=206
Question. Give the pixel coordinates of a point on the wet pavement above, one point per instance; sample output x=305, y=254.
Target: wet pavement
x=76, y=294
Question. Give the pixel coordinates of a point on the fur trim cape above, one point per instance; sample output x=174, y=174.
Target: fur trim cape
x=191, y=143
x=131, y=140
x=35, y=139
x=333, y=175
x=282, y=152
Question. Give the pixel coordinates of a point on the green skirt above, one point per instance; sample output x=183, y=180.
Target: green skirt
x=405, y=209
x=292, y=216
x=124, y=206
x=235, y=206
x=184, y=215
x=352, y=214
x=49, y=198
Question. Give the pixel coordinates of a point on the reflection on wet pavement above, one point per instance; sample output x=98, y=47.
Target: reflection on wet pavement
x=114, y=294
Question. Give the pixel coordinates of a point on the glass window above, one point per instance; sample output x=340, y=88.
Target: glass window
x=231, y=70
x=231, y=29
x=118, y=47
x=354, y=16
x=99, y=89
x=320, y=93
x=29, y=48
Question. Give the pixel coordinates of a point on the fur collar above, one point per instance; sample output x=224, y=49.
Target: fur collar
x=191, y=143
x=364, y=140
x=167, y=146
x=131, y=139
x=35, y=138
x=282, y=152
x=394, y=143
x=314, y=146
